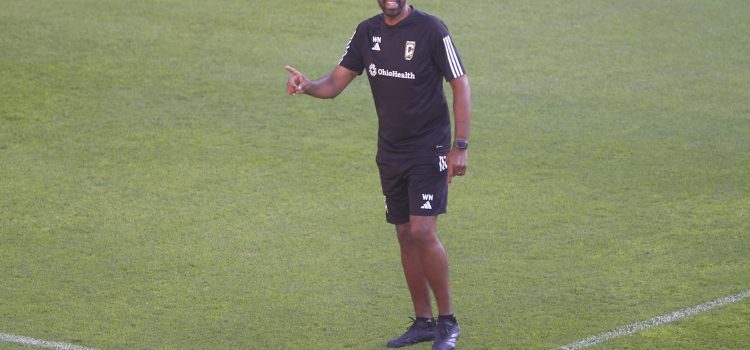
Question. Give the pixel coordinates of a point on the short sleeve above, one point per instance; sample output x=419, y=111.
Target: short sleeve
x=352, y=58
x=446, y=55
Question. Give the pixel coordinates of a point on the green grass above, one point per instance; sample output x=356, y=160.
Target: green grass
x=158, y=189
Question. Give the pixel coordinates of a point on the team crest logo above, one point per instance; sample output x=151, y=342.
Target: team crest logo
x=409, y=50
x=373, y=70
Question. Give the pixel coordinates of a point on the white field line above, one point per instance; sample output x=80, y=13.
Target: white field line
x=656, y=321
x=622, y=331
x=38, y=343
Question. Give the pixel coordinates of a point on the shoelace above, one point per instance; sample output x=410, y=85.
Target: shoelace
x=412, y=324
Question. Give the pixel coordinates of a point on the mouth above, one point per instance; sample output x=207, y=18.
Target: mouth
x=392, y=5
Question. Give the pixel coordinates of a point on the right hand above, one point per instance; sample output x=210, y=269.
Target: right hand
x=297, y=82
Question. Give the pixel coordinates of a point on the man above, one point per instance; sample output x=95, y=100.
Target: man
x=407, y=54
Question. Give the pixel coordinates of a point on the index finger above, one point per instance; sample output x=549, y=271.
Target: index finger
x=291, y=69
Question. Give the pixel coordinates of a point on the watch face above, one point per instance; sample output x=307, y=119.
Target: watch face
x=462, y=144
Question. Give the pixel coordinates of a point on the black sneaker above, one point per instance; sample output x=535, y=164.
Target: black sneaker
x=447, y=335
x=421, y=330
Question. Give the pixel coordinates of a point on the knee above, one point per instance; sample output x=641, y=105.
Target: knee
x=418, y=233
x=405, y=237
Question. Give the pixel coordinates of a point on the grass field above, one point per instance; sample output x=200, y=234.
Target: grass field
x=159, y=190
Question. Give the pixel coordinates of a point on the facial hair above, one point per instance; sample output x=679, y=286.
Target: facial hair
x=392, y=10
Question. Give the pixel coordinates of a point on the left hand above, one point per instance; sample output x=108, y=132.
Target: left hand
x=458, y=163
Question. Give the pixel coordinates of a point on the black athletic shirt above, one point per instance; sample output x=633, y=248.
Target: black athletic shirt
x=405, y=64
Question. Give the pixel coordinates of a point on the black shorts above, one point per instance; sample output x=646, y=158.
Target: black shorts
x=414, y=186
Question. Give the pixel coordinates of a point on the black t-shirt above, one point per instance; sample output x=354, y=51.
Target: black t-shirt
x=405, y=65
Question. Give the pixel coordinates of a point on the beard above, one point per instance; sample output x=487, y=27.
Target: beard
x=392, y=8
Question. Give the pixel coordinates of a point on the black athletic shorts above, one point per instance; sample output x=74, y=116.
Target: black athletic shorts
x=414, y=186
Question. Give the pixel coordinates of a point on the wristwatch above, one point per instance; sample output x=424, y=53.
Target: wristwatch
x=461, y=144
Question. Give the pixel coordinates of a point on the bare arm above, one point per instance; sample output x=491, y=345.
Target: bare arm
x=328, y=86
x=458, y=159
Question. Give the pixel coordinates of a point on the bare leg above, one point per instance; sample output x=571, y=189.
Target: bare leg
x=425, y=265
x=416, y=280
